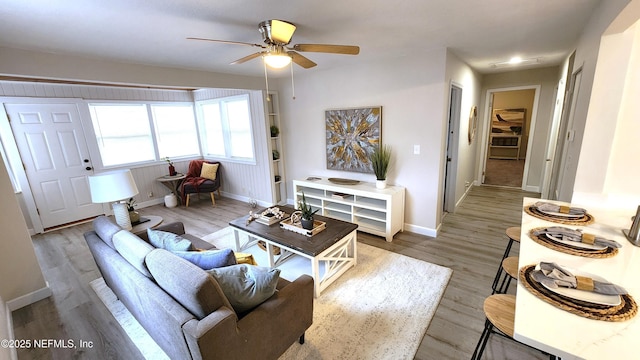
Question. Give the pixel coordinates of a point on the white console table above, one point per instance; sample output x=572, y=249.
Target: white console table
x=375, y=211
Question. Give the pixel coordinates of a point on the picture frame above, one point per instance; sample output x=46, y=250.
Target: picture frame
x=351, y=135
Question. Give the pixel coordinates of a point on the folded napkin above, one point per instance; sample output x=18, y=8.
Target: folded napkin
x=562, y=209
x=553, y=276
x=577, y=236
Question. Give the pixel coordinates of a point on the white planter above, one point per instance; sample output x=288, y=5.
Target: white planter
x=170, y=201
x=381, y=184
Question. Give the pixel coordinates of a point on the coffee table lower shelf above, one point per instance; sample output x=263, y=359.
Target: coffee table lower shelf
x=326, y=267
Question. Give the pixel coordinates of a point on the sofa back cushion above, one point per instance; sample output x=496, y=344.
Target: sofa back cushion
x=133, y=249
x=191, y=286
x=105, y=228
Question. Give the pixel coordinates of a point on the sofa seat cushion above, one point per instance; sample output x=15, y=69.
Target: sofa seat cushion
x=246, y=286
x=105, y=228
x=168, y=241
x=133, y=249
x=209, y=259
x=191, y=286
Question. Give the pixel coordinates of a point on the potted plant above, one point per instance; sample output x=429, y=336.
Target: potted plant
x=274, y=131
x=134, y=216
x=380, y=159
x=307, y=212
x=172, y=169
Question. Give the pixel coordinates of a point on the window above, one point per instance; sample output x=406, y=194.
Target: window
x=175, y=130
x=134, y=133
x=226, y=128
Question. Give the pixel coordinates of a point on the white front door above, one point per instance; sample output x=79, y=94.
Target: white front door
x=56, y=160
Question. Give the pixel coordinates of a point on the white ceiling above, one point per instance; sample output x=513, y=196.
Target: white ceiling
x=481, y=32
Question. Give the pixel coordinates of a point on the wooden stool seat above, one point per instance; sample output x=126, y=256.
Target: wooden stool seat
x=510, y=266
x=500, y=309
x=514, y=233
x=500, y=313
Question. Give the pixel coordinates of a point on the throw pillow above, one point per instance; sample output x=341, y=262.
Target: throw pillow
x=209, y=171
x=168, y=241
x=209, y=259
x=246, y=286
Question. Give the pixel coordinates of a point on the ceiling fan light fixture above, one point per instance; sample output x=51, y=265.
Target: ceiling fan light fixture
x=277, y=61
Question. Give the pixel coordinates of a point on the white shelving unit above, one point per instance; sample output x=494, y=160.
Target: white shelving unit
x=505, y=141
x=376, y=211
x=278, y=183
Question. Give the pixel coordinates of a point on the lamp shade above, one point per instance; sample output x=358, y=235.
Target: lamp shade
x=112, y=186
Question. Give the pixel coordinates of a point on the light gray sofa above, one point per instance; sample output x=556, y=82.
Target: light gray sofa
x=189, y=316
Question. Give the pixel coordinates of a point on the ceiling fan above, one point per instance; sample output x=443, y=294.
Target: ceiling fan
x=277, y=53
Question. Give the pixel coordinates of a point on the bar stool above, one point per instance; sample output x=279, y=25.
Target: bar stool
x=500, y=313
x=509, y=267
x=513, y=233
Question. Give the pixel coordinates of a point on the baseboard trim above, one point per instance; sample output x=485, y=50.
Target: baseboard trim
x=13, y=353
x=29, y=298
x=422, y=230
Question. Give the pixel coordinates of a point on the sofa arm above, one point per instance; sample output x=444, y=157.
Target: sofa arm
x=263, y=333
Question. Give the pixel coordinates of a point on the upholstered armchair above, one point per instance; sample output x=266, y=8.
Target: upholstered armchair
x=202, y=177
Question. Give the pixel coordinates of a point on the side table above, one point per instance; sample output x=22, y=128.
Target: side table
x=150, y=224
x=172, y=183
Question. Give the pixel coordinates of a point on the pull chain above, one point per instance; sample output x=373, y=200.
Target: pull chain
x=266, y=79
x=293, y=88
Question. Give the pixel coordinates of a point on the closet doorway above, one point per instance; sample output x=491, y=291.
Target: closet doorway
x=510, y=126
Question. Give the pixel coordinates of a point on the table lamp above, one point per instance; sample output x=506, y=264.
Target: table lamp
x=114, y=186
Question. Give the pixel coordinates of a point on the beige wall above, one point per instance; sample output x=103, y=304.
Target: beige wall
x=547, y=79
x=413, y=94
x=517, y=99
x=21, y=275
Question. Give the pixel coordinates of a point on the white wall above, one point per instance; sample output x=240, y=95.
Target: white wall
x=586, y=58
x=460, y=73
x=607, y=171
x=413, y=94
x=53, y=66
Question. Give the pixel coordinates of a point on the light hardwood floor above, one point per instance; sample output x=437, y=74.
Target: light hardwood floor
x=471, y=242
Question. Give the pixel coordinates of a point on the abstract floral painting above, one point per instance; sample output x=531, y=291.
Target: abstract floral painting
x=351, y=136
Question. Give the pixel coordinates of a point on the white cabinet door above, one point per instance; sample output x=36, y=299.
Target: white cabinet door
x=56, y=159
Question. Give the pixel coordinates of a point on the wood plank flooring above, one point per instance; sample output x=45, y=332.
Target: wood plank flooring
x=471, y=242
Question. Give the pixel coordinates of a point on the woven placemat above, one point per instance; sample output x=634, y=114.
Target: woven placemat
x=623, y=312
x=585, y=219
x=570, y=249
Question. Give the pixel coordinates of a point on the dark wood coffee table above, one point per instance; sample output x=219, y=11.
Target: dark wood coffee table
x=334, y=247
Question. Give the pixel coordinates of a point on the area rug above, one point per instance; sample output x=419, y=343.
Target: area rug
x=379, y=309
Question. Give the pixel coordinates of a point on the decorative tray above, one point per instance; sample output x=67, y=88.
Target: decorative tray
x=342, y=181
x=318, y=226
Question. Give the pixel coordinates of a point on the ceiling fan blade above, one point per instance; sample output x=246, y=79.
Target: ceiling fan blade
x=301, y=60
x=247, y=58
x=227, y=42
x=326, y=48
x=282, y=31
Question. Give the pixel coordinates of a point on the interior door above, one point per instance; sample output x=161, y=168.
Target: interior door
x=56, y=160
x=448, y=202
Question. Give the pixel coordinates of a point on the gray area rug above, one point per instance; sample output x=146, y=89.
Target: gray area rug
x=379, y=309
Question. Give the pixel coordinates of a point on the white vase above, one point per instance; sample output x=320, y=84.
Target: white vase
x=381, y=184
x=170, y=201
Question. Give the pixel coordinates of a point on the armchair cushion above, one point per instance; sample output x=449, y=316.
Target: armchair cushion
x=246, y=286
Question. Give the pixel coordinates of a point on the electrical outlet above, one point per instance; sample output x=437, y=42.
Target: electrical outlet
x=150, y=194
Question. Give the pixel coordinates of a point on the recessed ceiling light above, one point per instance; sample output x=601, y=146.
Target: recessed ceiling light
x=517, y=61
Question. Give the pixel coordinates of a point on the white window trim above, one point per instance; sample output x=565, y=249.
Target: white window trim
x=92, y=142
x=202, y=134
